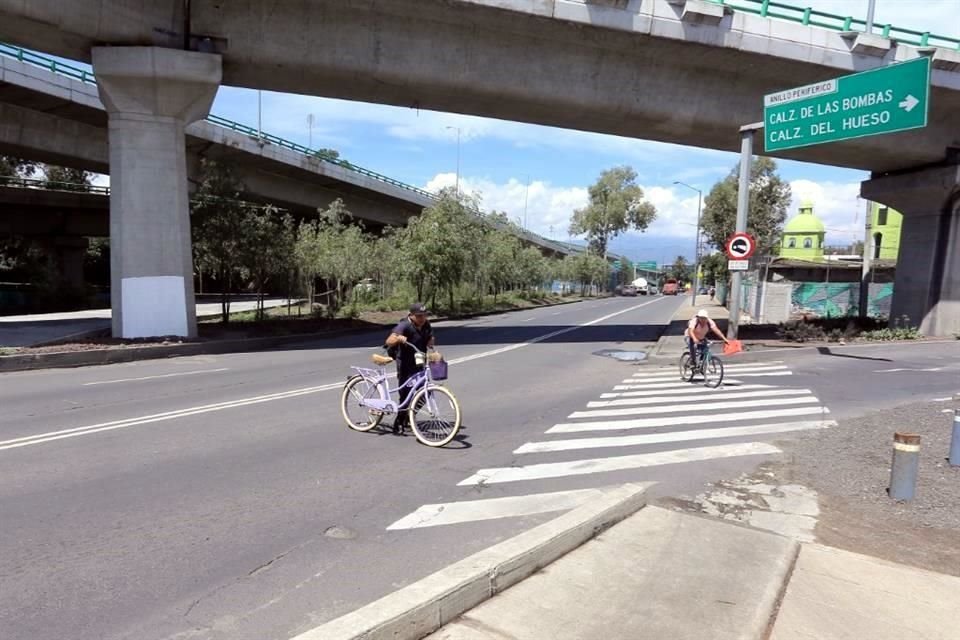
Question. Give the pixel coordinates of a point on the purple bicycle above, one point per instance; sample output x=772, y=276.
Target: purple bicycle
x=433, y=409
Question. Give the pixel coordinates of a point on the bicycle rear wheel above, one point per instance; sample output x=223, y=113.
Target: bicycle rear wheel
x=435, y=416
x=358, y=416
x=713, y=373
x=686, y=367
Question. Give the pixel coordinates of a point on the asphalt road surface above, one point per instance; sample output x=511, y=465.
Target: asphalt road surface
x=223, y=497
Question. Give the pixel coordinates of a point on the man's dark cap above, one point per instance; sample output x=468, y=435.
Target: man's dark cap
x=418, y=307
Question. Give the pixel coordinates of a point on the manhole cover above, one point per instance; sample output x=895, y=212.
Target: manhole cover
x=340, y=533
x=623, y=356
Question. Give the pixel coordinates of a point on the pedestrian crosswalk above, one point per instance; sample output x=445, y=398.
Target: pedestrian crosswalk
x=653, y=408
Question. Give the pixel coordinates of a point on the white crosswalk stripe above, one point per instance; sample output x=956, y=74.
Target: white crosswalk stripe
x=433, y=515
x=722, y=395
x=703, y=406
x=618, y=463
x=676, y=384
x=665, y=421
x=687, y=389
x=673, y=436
x=732, y=368
x=675, y=376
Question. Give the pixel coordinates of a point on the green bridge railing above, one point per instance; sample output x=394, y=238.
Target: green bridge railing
x=834, y=22
x=53, y=185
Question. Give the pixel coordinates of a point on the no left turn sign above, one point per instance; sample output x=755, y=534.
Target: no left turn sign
x=741, y=246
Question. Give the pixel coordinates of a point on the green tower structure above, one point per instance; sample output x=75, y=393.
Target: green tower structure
x=803, y=235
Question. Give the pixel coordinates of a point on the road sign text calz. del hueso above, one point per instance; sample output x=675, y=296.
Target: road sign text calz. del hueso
x=884, y=100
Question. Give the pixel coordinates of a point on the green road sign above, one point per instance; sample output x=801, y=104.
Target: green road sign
x=884, y=100
x=650, y=265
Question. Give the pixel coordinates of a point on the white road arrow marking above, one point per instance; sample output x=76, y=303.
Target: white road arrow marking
x=909, y=103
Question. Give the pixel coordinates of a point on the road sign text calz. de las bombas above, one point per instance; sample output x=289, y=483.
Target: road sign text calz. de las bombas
x=883, y=100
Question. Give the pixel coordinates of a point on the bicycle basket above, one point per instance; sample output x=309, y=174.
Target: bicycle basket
x=438, y=370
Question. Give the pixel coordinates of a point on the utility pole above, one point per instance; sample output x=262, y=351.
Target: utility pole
x=526, y=196
x=871, y=6
x=310, y=128
x=458, y=158
x=743, y=206
x=867, y=257
x=259, y=115
x=696, y=249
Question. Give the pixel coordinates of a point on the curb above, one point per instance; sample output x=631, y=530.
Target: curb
x=28, y=362
x=424, y=606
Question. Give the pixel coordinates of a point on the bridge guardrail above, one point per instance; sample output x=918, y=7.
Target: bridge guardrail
x=814, y=18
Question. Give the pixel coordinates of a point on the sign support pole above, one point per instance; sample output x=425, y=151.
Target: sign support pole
x=865, y=268
x=743, y=205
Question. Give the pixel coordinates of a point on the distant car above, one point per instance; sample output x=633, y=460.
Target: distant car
x=652, y=289
x=618, y=290
x=670, y=288
x=630, y=290
x=702, y=291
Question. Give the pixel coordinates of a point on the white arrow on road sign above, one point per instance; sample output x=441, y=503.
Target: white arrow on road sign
x=909, y=103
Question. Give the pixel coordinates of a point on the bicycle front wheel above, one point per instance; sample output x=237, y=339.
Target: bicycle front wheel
x=358, y=416
x=686, y=367
x=435, y=416
x=713, y=373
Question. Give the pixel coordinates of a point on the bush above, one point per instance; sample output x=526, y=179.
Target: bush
x=901, y=330
x=800, y=331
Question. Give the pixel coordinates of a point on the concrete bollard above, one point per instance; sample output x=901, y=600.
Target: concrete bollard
x=906, y=464
x=955, y=440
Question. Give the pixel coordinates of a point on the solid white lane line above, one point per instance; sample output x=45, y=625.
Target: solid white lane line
x=674, y=371
x=730, y=395
x=666, y=421
x=687, y=389
x=529, y=319
x=762, y=375
x=166, y=375
x=190, y=411
x=695, y=408
x=158, y=417
x=618, y=463
x=673, y=436
x=433, y=515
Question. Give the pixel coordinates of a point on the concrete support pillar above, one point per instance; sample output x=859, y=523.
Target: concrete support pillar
x=927, y=286
x=151, y=94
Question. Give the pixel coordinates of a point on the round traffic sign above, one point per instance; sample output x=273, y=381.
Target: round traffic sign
x=741, y=246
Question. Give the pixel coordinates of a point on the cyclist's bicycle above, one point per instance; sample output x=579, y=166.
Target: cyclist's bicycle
x=433, y=409
x=707, y=365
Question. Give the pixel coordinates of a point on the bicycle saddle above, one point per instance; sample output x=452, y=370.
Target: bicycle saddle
x=379, y=359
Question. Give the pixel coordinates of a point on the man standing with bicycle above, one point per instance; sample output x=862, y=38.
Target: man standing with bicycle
x=416, y=330
x=696, y=332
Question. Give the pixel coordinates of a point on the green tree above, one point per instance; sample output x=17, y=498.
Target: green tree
x=219, y=225
x=714, y=269
x=681, y=270
x=769, y=199
x=616, y=205
x=267, y=249
x=66, y=179
x=11, y=167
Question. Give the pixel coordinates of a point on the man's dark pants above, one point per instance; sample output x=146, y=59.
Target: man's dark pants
x=693, y=347
x=405, y=371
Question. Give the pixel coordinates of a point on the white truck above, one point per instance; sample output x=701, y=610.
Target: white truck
x=641, y=285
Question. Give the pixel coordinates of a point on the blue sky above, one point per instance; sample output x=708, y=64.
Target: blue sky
x=498, y=158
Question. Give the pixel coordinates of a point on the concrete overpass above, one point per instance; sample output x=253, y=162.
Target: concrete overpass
x=681, y=71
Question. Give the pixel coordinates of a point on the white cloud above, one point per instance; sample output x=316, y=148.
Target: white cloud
x=100, y=180
x=838, y=205
x=548, y=207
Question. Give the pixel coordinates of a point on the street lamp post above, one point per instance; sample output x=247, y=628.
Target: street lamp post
x=696, y=265
x=458, y=158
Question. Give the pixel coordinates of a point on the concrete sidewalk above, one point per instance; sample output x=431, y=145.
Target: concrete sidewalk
x=665, y=575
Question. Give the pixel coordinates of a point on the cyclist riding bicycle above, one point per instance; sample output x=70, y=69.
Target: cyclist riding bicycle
x=696, y=332
x=416, y=330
